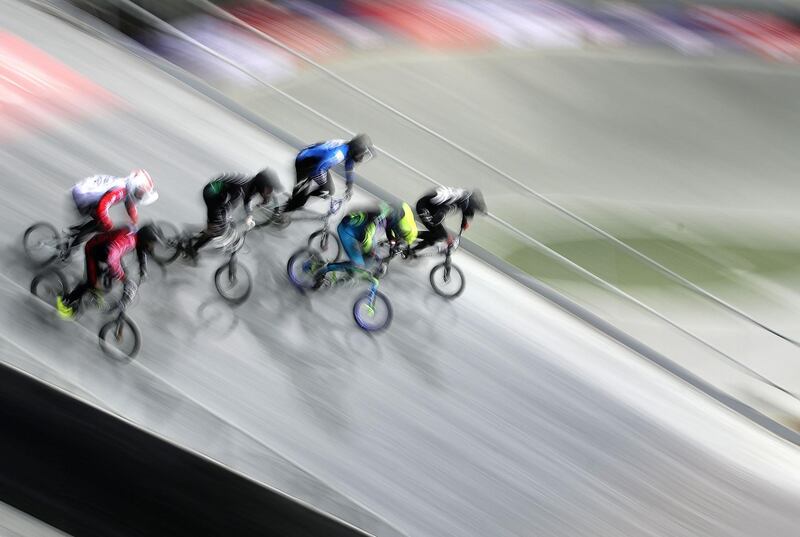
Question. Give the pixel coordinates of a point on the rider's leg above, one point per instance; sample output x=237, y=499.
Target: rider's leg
x=84, y=230
x=74, y=297
x=303, y=182
x=67, y=306
x=216, y=219
x=434, y=221
x=351, y=246
x=318, y=185
x=85, y=205
x=300, y=195
x=324, y=188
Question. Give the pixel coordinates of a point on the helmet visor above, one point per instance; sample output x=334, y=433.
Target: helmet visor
x=148, y=197
x=364, y=156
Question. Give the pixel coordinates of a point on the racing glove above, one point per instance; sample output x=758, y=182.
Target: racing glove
x=128, y=292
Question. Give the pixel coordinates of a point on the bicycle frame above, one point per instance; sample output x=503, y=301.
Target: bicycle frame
x=362, y=274
x=448, y=252
x=368, y=276
x=67, y=242
x=231, y=240
x=333, y=208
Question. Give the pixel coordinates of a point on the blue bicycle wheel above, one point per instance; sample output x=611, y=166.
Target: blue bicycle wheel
x=375, y=317
x=301, y=268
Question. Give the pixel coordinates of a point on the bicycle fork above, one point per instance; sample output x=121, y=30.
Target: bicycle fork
x=325, y=235
x=447, y=266
x=373, y=292
x=65, y=247
x=232, y=267
x=118, y=329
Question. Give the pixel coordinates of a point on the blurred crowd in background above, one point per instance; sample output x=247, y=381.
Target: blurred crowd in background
x=334, y=29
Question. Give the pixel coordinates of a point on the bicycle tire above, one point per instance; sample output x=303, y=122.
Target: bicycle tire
x=166, y=253
x=55, y=276
x=107, y=330
x=51, y=233
x=438, y=285
x=222, y=275
x=363, y=322
x=326, y=244
x=302, y=256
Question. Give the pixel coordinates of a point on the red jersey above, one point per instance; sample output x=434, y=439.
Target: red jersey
x=110, y=247
x=109, y=199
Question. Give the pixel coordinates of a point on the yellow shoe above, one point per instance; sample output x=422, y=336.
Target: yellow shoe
x=65, y=312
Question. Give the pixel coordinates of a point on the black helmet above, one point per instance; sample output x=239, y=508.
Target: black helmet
x=360, y=148
x=149, y=234
x=476, y=202
x=266, y=179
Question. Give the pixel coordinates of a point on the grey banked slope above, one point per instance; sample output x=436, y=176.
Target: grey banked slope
x=496, y=414
x=14, y=523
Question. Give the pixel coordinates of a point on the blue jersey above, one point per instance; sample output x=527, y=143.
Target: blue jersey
x=319, y=158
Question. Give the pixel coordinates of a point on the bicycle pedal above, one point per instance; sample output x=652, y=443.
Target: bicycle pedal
x=322, y=284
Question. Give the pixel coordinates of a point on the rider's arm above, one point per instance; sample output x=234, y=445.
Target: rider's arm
x=466, y=217
x=133, y=213
x=348, y=172
x=375, y=223
x=232, y=187
x=247, y=201
x=112, y=197
x=369, y=235
x=234, y=194
x=349, y=165
x=141, y=256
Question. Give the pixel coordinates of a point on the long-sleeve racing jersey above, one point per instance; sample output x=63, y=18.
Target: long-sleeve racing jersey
x=319, y=158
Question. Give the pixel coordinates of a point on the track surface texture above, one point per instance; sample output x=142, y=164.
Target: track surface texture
x=496, y=414
x=14, y=523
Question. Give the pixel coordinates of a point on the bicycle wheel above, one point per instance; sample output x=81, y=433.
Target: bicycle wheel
x=42, y=243
x=168, y=252
x=120, y=338
x=302, y=266
x=447, y=282
x=326, y=243
x=373, y=318
x=48, y=285
x=233, y=282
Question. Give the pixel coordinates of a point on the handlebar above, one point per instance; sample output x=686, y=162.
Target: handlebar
x=335, y=205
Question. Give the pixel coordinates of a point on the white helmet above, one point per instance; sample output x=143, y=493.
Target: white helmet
x=141, y=187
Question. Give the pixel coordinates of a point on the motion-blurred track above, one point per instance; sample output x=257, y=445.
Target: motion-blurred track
x=497, y=414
